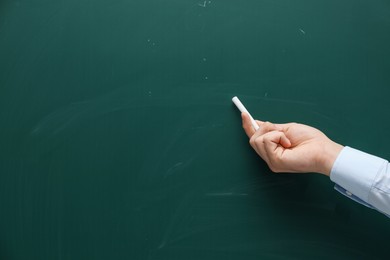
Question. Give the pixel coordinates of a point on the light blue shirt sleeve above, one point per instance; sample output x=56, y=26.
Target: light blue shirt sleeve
x=364, y=178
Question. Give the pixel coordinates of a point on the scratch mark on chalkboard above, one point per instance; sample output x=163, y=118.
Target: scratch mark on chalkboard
x=203, y=5
x=329, y=119
x=302, y=31
x=59, y=120
x=75, y=115
x=268, y=99
x=289, y=101
x=206, y=126
x=198, y=230
x=177, y=166
x=224, y=194
x=77, y=112
x=274, y=245
x=322, y=115
x=180, y=210
x=253, y=186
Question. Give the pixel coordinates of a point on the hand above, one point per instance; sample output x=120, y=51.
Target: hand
x=292, y=147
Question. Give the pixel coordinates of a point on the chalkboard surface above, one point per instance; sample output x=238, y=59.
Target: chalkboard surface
x=119, y=140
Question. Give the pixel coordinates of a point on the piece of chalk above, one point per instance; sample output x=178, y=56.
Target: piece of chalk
x=241, y=107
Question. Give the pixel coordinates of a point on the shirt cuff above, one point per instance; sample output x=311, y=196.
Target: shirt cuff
x=351, y=196
x=355, y=171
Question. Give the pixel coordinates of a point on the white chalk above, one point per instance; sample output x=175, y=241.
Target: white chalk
x=241, y=107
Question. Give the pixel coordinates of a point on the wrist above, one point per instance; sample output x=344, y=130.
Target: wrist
x=331, y=151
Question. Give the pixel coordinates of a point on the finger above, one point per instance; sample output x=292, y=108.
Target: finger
x=266, y=127
x=257, y=144
x=280, y=127
x=247, y=125
x=284, y=141
x=256, y=140
x=275, y=143
x=259, y=122
x=274, y=139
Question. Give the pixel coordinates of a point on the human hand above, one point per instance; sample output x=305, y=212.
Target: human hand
x=292, y=147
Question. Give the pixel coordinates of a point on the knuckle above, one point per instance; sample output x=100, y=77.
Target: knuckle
x=268, y=137
x=277, y=160
x=252, y=142
x=272, y=168
x=275, y=169
x=267, y=124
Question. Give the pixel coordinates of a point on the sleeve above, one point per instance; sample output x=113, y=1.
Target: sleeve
x=364, y=178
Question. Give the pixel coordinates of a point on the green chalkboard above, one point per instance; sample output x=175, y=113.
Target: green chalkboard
x=119, y=140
